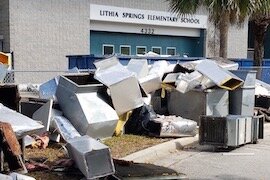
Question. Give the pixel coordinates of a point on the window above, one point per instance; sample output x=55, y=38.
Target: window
x=108, y=49
x=156, y=50
x=140, y=49
x=125, y=49
x=171, y=51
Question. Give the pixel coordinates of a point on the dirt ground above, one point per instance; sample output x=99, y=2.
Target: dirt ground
x=120, y=147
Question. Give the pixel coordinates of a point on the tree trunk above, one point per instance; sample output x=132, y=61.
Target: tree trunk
x=223, y=36
x=259, y=34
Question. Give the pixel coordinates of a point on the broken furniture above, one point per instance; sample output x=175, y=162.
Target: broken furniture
x=10, y=149
x=195, y=103
x=80, y=99
x=92, y=157
x=20, y=124
x=229, y=131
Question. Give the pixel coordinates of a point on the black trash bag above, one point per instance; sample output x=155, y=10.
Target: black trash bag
x=141, y=122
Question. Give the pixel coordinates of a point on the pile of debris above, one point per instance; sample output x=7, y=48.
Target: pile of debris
x=161, y=100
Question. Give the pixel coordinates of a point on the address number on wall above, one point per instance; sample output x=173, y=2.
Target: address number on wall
x=148, y=31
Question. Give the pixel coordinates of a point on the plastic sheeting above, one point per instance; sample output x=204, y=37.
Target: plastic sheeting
x=21, y=124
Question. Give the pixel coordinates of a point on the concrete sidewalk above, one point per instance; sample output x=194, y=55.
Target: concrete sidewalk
x=160, y=150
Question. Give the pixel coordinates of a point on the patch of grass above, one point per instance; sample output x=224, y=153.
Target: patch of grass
x=127, y=144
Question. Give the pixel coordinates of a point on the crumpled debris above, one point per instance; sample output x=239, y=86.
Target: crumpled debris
x=64, y=163
x=176, y=126
x=36, y=166
x=41, y=141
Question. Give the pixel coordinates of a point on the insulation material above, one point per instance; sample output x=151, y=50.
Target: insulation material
x=186, y=82
x=174, y=126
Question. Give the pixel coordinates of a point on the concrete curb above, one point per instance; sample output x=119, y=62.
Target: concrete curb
x=160, y=150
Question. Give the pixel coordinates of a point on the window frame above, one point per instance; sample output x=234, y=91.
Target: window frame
x=109, y=45
x=157, y=47
x=167, y=48
x=125, y=46
x=145, y=47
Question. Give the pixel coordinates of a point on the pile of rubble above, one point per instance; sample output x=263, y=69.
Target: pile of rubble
x=161, y=100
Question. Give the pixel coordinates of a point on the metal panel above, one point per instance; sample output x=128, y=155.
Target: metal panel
x=242, y=101
x=82, y=105
x=92, y=157
x=221, y=77
x=248, y=138
x=43, y=114
x=47, y=90
x=239, y=130
x=138, y=66
x=5, y=177
x=195, y=103
x=65, y=128
x=21, y=124
x=255, y=129
x=232, y=130
x=213, y=130
x=249, y=77
x=124, y=87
